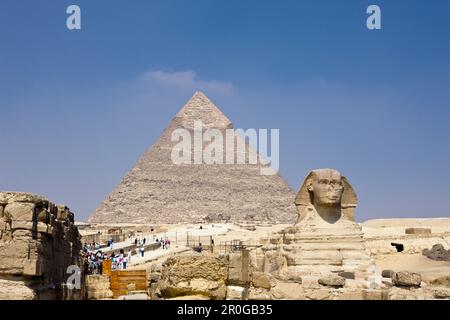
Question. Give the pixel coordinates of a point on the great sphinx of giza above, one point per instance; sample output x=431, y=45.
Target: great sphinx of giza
x=326, y=239
x=326, y=197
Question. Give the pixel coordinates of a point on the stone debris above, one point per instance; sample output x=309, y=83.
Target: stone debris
x=406, y=279
x=332, y=281
x=437, y=252
x=38, y=242
x=387, y=273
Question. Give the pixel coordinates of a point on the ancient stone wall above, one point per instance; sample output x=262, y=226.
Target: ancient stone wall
x=38, y=241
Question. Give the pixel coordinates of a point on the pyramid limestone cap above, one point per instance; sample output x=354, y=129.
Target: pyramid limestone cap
x=199, y=107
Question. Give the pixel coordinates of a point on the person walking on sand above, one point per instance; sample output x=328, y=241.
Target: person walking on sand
x=129, y=257
x=124, y=262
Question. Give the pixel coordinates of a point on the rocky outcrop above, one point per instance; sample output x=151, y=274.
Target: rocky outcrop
x=332, y=281
x=437, y=252
x=194, y=274
x=38, y=242
x=406, y=279
x=98, y=287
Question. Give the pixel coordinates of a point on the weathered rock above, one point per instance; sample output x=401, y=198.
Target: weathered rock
x=258, y=294
x=318, y=294
x=137, y=296
x=16, y=289
x=441, y=293
x=347, y=275
x=191, y=297
x=370, y=294
x=442, y=281
x=98, y=287
x=437, y=252
x=235, y=293
x=325, y=240
x=239, y=268
x=21, y=211
x=261, y=280
x=406, y=279
x=287, y=291
x=154, y=277
x=193, y=274
x=387, y=273
x=35, y=247
x=332, y=281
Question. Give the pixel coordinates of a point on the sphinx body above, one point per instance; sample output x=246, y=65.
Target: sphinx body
x=326, y=239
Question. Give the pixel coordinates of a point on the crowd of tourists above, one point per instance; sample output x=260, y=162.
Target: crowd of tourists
x=93, y=260
x=93, y=256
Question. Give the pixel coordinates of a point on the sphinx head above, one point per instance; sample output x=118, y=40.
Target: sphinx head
x=328, y=194
x=326, y=187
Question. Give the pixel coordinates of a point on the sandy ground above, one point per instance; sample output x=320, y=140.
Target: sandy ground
x=429, y=269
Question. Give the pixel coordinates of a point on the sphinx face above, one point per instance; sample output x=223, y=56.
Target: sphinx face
x=327, y=187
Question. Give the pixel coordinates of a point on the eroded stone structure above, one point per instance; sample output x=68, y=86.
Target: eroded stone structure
x=38, y=242
x=156, y=190
x=325, y=240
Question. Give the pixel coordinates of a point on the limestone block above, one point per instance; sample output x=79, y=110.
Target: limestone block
x=347, y=275
x=406, y=279
x=15, y=289
x=13, y=256
x=294, y=276
x=258, y=294
x=387, y=273
x=9, y=197
x=235, y=292
x=239, y=268
x=287, y=291
x=137, y=296
x=442, y=281
x=370, y=294
x=20, y=211
x=332, y=281
x=318, y=294
x=351, y=295
x=43, y=215
x=99, y=294
x=22, y=234
x=154, y=277
x=193, y=273
x=417, y=231
x=261, y=280
x=441, y=293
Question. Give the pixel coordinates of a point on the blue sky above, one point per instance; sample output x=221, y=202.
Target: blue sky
x=79, y=107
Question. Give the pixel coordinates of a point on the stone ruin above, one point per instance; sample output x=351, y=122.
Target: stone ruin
x=325, y=241
x=38, y=242
x=323, y=256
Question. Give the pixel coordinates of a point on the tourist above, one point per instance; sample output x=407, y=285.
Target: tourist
x=124, y=263
x=142, y=251
x=129, y=257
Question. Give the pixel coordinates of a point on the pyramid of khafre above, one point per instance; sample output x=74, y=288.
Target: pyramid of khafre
x=156, y=190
